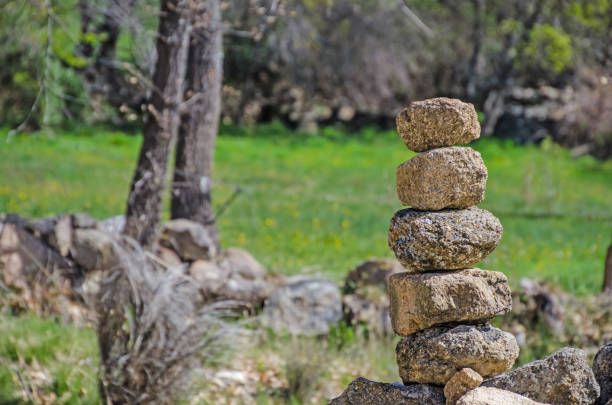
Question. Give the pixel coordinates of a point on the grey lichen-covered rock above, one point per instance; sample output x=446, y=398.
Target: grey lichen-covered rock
x=366, y=392
x=463, y=381
x=112, y=225
x=443, y=240
x=83, y=221
x=563, y=378
x=602, y=368
x=242, y=263
x=494, y=396
x=94, y=250
x=369, y=279
x=433, y=356
x=305, y=306
x=189, y=239
x=422, y=300
x=437, y=122
x=442, y=178
x=359, y=310
x=229, y=283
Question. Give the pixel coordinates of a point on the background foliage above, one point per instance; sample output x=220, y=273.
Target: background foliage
x=324, y=61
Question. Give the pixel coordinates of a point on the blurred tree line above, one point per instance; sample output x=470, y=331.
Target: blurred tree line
x=533, y=68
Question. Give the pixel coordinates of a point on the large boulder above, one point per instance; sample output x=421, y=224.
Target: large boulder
x=305, y=306
x=189, y=239
x=437, y=122
x=494, y=396
x=366, y=392
x=94, y=250
x=602, y=368
x=370, y=278
x=422, y=300
x=452, y=177
x=562, y=378
x=461, y=382
x=359, y=310
x=241, y=263
x=443, y=240
x=218, y=282
x=365, y=299
x=434, y=355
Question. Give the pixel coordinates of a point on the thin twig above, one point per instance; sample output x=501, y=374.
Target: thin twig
x=415, y=19
x=47, y=61
x=24, y=385
x=228, y=202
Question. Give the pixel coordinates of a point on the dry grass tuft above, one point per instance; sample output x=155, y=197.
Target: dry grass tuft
x=153, y=331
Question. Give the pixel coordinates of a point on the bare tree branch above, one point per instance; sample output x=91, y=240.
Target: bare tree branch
x=415, y=19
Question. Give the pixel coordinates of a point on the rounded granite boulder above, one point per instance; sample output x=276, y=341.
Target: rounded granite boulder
x=437, y=122
x=434, y=355
x=454, y=177
x=562, y=378
x=443, y=240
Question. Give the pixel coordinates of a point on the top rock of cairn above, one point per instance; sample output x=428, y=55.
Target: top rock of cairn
x=437, y=122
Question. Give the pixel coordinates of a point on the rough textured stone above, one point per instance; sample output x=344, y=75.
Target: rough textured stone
x=602, y=368
x=241, y=262
x=436, y=354
x=422, y=300
x=60, y=237
x=94, y=250
x=218, y=282
x=365, y=298
x=437, y=122
x=112, y=225
x=361, y=310
x=443, y=240
x=369, y=279
x=494, y=396
x=168, y=258
x=209, y=276
x=463, y=381
x=56, y=231
x=42, y=279
x=189, y=239
x=366, y=392
x=442, y=178
x=305, y=306
x=563, y=378
x=83, y=220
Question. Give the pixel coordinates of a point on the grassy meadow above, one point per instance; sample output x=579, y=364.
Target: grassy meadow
x=311, y=204
x=321, y=204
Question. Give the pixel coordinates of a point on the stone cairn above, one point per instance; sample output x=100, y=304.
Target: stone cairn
x=441, y=306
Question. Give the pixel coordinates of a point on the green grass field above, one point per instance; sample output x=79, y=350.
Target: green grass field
x=321, y=204
x=310, y=204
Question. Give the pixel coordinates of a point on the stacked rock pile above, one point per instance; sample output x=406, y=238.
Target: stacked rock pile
x=441, y=306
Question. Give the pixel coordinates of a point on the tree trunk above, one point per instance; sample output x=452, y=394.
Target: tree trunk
x=505, y=73
x=191, y=188
x=145, y=201
x=607, y=283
